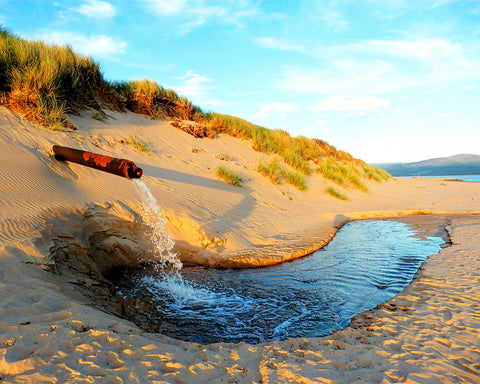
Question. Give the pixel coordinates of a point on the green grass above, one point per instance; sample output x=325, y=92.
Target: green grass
x=139, y=144
x=343, y=173
x=271, y=170
x=277, y=174
x=333, y=192
x=296, y=179
x=44, y=81
x=231, y=177
x=376, y=174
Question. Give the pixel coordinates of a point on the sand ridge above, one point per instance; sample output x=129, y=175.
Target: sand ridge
x=49, y=333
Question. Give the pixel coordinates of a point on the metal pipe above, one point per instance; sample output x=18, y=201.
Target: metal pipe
x=120, y=167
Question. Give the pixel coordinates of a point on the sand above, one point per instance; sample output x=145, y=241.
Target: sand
x=49, y=332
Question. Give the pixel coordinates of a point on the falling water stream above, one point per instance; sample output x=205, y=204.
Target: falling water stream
x=367, y=263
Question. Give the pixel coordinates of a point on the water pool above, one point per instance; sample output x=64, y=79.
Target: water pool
x=367, y=263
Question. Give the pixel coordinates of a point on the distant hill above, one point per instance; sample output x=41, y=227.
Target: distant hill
x=463, y=164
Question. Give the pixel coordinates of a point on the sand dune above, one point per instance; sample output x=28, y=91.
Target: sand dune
x=50, y=334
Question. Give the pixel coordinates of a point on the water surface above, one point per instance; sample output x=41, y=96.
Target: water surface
x=366, y=263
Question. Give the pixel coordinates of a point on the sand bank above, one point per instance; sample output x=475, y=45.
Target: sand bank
x=49, y=333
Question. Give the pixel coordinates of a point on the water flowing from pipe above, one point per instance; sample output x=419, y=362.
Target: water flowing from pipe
x=165, y=259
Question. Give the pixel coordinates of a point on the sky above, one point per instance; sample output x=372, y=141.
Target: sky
x=386, y=80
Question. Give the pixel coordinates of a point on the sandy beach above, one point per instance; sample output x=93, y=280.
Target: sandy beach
x=50, y=332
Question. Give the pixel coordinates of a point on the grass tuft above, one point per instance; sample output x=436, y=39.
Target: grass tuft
x=139, y=144
x=231, y=177
x=224, y=157
x=333, y=192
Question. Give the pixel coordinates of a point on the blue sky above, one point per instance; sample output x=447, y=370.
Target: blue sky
x=386, y=80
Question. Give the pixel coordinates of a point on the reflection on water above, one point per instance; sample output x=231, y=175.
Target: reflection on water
x=367, y=263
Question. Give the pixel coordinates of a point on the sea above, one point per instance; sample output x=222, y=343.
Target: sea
x=467, y=178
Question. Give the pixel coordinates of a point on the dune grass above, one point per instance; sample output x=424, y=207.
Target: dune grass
x=46, y=82
x=139, y=144
x=231, y=177
x=343, y=173
x=147, y=97
x=376, y=174
x=274, y=171
x=333, y=192
x=271, y=170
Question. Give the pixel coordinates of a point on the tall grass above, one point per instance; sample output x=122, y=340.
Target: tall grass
x=146, y=96
x=277, y=174
x=271, y=170
x=376, y=174
x=343, y=173
x=45, y=81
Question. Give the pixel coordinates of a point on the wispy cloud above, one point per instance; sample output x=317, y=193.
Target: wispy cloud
x=328, y=13
x=191, y=14
x=381, y=66
x=279, y=109
x=194, y=85
x=282, y=45
x=367, y=103
x=96, y=9
x=166, y=7
x=98, y=46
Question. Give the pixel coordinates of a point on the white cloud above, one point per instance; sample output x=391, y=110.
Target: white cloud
x=270, y=42
x=96, y=9
x=166, y=7
x=321, y=122
x=367, y=103
x=278, y=109
x=190, y=14
x=98, y=46
x=194, y=85
x=381, y=66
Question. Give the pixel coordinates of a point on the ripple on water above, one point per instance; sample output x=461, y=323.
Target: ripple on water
x=367, y=263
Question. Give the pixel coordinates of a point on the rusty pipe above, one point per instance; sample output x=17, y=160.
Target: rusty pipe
x=120, y=167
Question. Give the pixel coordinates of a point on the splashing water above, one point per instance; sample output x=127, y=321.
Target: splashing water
x=166, y=264
x=165, y=260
